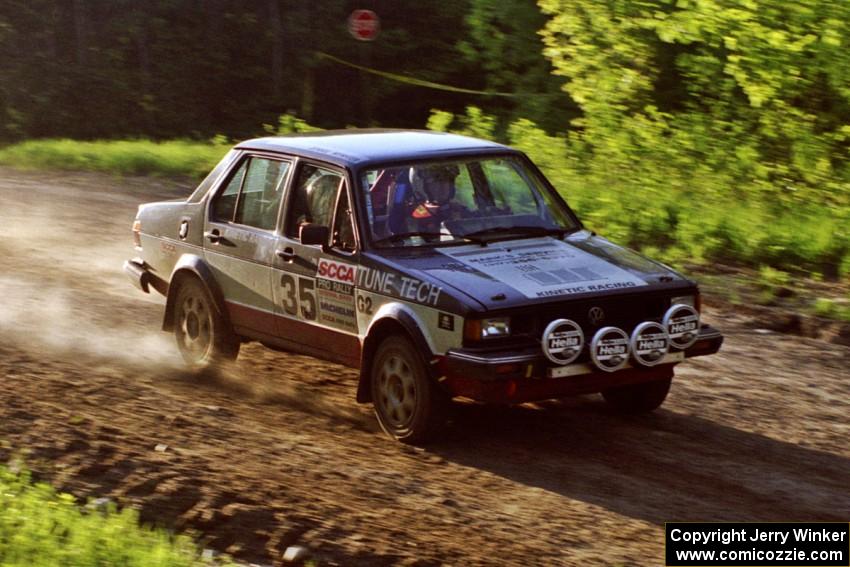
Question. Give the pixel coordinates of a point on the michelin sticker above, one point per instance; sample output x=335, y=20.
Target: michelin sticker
x=545, y=268
x=335, y=291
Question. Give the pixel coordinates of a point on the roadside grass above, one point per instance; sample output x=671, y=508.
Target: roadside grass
x=39, y=526
x=124, y=157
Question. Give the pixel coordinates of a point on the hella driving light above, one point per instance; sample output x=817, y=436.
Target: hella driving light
x=649, y=343
x=609, y=349
x=682, y=325
x=563, y=341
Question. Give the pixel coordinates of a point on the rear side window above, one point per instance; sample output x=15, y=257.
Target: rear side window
x=253, y=194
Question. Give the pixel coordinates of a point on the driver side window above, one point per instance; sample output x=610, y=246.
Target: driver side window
x=314, y=197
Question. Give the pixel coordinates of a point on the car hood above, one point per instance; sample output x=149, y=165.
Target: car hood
x=530, y=271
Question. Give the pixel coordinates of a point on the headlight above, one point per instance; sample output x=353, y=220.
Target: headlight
x=494, y=327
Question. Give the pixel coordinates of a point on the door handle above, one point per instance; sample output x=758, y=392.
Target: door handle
x=287, y=254
x=213, y=236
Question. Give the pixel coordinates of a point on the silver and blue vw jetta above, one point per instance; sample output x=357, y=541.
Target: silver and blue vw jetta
x=441, y=266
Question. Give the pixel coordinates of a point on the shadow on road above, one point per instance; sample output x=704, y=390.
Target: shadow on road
x=662, y=467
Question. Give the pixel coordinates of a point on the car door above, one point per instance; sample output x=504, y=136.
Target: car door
x=239, y=240
x=314, y=285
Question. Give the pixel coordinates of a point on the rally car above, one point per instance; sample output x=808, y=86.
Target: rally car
x=440, y=266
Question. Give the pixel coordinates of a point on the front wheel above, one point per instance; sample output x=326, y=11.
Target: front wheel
x=638, y=398
x=409, y=405
x=202, y=335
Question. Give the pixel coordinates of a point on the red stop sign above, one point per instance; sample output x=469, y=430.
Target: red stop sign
x=364, y=25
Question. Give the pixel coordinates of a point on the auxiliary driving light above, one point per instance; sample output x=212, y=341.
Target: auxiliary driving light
x=649, y=343
x=609, y=349
x=562, y=341
x=682, y=325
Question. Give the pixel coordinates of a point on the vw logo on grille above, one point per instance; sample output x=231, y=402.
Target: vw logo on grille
x=596, y=315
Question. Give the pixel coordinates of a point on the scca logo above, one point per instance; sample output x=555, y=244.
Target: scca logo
x=337, y=271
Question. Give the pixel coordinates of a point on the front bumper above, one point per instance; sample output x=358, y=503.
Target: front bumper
x=526, y=375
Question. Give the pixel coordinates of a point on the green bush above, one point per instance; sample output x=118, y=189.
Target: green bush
x=39, y=526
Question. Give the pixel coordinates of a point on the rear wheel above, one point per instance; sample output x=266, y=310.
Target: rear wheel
x=203, y=337
x=638, y=398
x=409, y=405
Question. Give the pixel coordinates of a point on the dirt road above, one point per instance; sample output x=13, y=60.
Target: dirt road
x=276, y=452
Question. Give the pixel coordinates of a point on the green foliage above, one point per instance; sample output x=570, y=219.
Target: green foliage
x=755, y=91
x=503, y=41
x=771, y=277
x=824, y=307
x=474, y=123
x=831, y=308
x=127, y=157
x=289, y=124
x=39, y=526
x=770, y=282
x=720, y=127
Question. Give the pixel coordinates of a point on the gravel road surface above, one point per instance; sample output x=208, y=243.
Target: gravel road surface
x=276, y=452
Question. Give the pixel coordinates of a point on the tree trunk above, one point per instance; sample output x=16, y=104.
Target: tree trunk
x=308, y=95
x=81, y=31
x=277, y=48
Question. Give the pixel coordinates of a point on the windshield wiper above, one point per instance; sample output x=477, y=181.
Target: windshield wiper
x=522, y=231
x=436, y=236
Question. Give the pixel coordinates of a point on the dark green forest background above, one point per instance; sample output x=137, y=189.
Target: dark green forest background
x=175, y=68
x=704, y=130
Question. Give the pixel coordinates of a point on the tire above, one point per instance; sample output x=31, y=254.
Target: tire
x=203, y=338
x=638, y=398
x=409, y=405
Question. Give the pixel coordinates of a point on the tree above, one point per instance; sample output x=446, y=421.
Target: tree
x=759, y=89
x=504, y=44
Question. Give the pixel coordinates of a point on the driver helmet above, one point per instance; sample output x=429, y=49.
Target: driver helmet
x=424, y=177
x=321, y=194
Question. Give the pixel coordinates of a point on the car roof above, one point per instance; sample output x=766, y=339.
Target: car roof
x=354, y=148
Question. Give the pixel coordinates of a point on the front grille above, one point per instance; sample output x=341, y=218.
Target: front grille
x=625, y=312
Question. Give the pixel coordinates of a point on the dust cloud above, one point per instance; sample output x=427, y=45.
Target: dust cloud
x=42, y=317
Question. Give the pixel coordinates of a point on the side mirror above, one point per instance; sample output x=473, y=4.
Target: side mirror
x=314, y=234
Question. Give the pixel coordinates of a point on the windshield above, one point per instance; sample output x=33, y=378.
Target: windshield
x=457, y=201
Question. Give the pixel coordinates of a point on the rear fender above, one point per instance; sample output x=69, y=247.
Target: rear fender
x=191, y=265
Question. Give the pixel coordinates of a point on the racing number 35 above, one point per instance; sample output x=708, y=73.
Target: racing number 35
x=305, y=298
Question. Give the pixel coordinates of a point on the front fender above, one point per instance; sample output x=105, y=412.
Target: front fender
x=192, y=265
x=407, y=317
x=392, y=319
